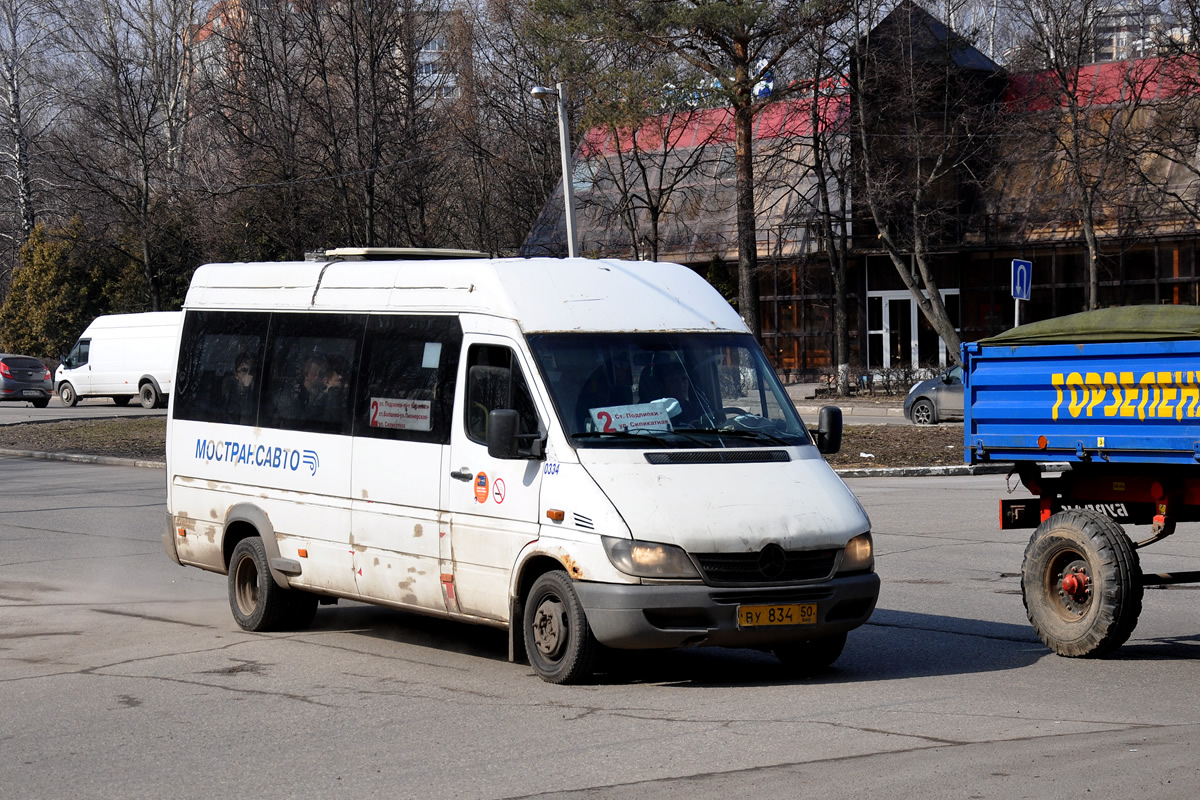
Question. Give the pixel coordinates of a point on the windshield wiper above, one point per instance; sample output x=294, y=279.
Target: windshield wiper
x=744, y=434
x=636, y=433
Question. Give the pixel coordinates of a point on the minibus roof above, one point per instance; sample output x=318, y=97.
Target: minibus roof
x=541, y=294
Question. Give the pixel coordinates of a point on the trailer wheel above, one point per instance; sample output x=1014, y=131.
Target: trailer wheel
x=558, y=640
x=1081, y=584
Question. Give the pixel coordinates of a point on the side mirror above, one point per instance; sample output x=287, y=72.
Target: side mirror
x=502, y=433
x=829, y=430
x=504, y=441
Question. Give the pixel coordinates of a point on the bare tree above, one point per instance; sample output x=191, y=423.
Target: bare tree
x=920, y=99
x=1080, y=117
x=737, y=46
x=26, y=28
x=125, y=134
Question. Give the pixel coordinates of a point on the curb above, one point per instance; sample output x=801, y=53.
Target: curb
x=115, y=461
x=854, y=411
x=852, y=472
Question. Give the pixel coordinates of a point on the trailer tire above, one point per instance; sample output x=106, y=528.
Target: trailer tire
x=1098, y=610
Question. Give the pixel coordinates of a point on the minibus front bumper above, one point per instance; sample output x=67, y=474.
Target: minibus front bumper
x=679, y=615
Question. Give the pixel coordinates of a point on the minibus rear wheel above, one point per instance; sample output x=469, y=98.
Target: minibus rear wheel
x=558, y=639
x=258, y=604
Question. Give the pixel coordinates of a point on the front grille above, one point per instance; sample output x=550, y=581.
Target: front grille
x=729, y=569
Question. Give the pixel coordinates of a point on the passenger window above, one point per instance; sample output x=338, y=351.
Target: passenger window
x=310, y=371
x=79, y=354
x=495, y=381
x=406, y=389
x=218, y=375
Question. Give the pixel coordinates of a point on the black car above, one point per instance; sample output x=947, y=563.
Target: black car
x=25, y=378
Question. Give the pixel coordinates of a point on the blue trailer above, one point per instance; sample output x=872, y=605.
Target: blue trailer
x=1099, y=415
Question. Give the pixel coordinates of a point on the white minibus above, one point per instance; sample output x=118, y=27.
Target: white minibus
x=585, y=453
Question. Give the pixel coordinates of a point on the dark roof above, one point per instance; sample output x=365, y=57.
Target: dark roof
x=931, y=34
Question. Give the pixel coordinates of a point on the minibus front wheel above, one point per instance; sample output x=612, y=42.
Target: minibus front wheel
x=558, y=639
x=258, y=603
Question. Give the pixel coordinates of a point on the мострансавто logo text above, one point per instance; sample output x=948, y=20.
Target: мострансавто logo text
x=258, y=455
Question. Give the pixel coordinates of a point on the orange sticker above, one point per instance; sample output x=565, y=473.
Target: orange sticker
x=481, y=488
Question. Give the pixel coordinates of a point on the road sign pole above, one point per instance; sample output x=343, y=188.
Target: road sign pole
x=1016, y=312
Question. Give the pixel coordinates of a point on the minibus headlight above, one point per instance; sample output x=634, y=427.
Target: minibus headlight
x=648, y=559
x=860, y=554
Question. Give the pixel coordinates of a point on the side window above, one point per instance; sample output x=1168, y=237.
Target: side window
x=495, y=380
x=79, y=354
x=406, y=387
x=218, y=376
x=310, y=371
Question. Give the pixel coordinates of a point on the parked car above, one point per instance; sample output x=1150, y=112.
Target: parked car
x=25, y=378
x=937, y=399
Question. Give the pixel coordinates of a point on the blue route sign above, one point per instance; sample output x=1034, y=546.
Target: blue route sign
x=1022, y=278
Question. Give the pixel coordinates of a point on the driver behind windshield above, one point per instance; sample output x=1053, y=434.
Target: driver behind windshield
x=666, y=378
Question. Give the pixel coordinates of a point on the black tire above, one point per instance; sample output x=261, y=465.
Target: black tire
x=558, y=640
x=67, y=394
x=122, y=399
x=922, y=413
x=258, y=604
x=41, y=403
x=1095, y=612
x=149, y=396
x=810, y=656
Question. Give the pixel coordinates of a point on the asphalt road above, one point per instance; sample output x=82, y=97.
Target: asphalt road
x=124, y=676
x=88, y=408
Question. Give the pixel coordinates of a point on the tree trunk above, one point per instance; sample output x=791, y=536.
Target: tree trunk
x=743, y=121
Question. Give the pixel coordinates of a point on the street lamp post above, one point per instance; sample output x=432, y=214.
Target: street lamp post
x=564, y=140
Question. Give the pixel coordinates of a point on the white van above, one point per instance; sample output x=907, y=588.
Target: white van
x=122, y=356
x=581, y=452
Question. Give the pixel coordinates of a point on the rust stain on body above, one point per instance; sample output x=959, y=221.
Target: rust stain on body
x=575, y=571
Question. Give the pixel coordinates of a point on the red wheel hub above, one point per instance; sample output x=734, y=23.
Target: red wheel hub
x=1075, y=584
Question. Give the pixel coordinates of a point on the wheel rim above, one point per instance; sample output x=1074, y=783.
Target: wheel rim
x=1069, y=578
x=550, y=627
x=66, y=394
x=148, y=396
x=922, y=413
x=245, y=581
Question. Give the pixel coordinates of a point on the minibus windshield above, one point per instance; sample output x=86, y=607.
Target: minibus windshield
x=707, y=390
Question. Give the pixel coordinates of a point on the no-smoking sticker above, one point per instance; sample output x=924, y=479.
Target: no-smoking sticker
x=498, y=490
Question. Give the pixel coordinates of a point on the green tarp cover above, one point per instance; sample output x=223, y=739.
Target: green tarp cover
x=1123, y=324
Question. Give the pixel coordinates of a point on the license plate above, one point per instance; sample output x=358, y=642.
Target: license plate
x=31, y=393
x=789, y=614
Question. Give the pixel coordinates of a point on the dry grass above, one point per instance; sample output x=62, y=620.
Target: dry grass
x=143, y=437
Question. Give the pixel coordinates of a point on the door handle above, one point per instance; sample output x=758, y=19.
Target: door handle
x=462, y=474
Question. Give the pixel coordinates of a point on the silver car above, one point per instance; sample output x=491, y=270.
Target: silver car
x=937, y=399
x=25, y=378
